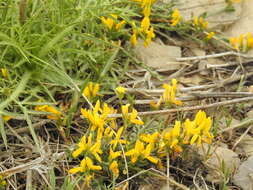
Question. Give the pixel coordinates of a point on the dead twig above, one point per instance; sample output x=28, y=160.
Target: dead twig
x=199, y=96
x=214, y=56
x=190, y=108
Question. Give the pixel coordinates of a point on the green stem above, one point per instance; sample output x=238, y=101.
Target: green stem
x=22, y=84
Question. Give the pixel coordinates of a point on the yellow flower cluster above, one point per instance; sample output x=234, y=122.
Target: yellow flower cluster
x=169, y=95
x=102, y=149
x=112, y=22
x=54, y=113
x=120, y=90
x=102, y=132
x=199, y=23
x=91, y=90
x=210, y=35
x=153, y=147
x=175, y=17
x=140, y=152
x=198, y=130
x=243, y=42
x=145, y=29
x=172, y=140
x=130, y=117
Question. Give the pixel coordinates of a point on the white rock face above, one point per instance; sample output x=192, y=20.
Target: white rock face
x=244, y=175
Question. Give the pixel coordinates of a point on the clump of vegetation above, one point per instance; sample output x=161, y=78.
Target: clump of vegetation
x=60, y=63
x=112, y=149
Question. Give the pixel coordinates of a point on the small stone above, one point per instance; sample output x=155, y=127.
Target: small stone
x=159, y=56
x=220, y=157
x=244, y=175
x=245, y=146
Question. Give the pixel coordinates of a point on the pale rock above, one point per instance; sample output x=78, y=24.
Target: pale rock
x=245, y=146
x=244, y=175
x=216, y=16
x=214, y=162
x=159, y=56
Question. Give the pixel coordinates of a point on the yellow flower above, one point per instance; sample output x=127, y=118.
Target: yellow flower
x=118, y=139
x=199, y=23
x=91, y=90
x=2, y=181
x=133, y=115
x=249, y=41
x=98, y=117
x=198, y=130
x=171, y=137
x=120, y=25
x=86, y=165
x=121, y=90
x=149, y=35
x=124, y=110
x=240, y=40
x=170, y=93
x=54, y=113
x=157, y=104
x=139, y=151
x=113, y=155
x=96, y=150
x=145, y=24
x=151, y=139
x=145, y=2
x=4, y=73
x=133, y=39
x=210, y=35
x=110, y=23
x=83, y=145
x=146, y=11
x=88, y=179
x=7, y=117
x=175, y=17
x=234, y=42
x=114, y=167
